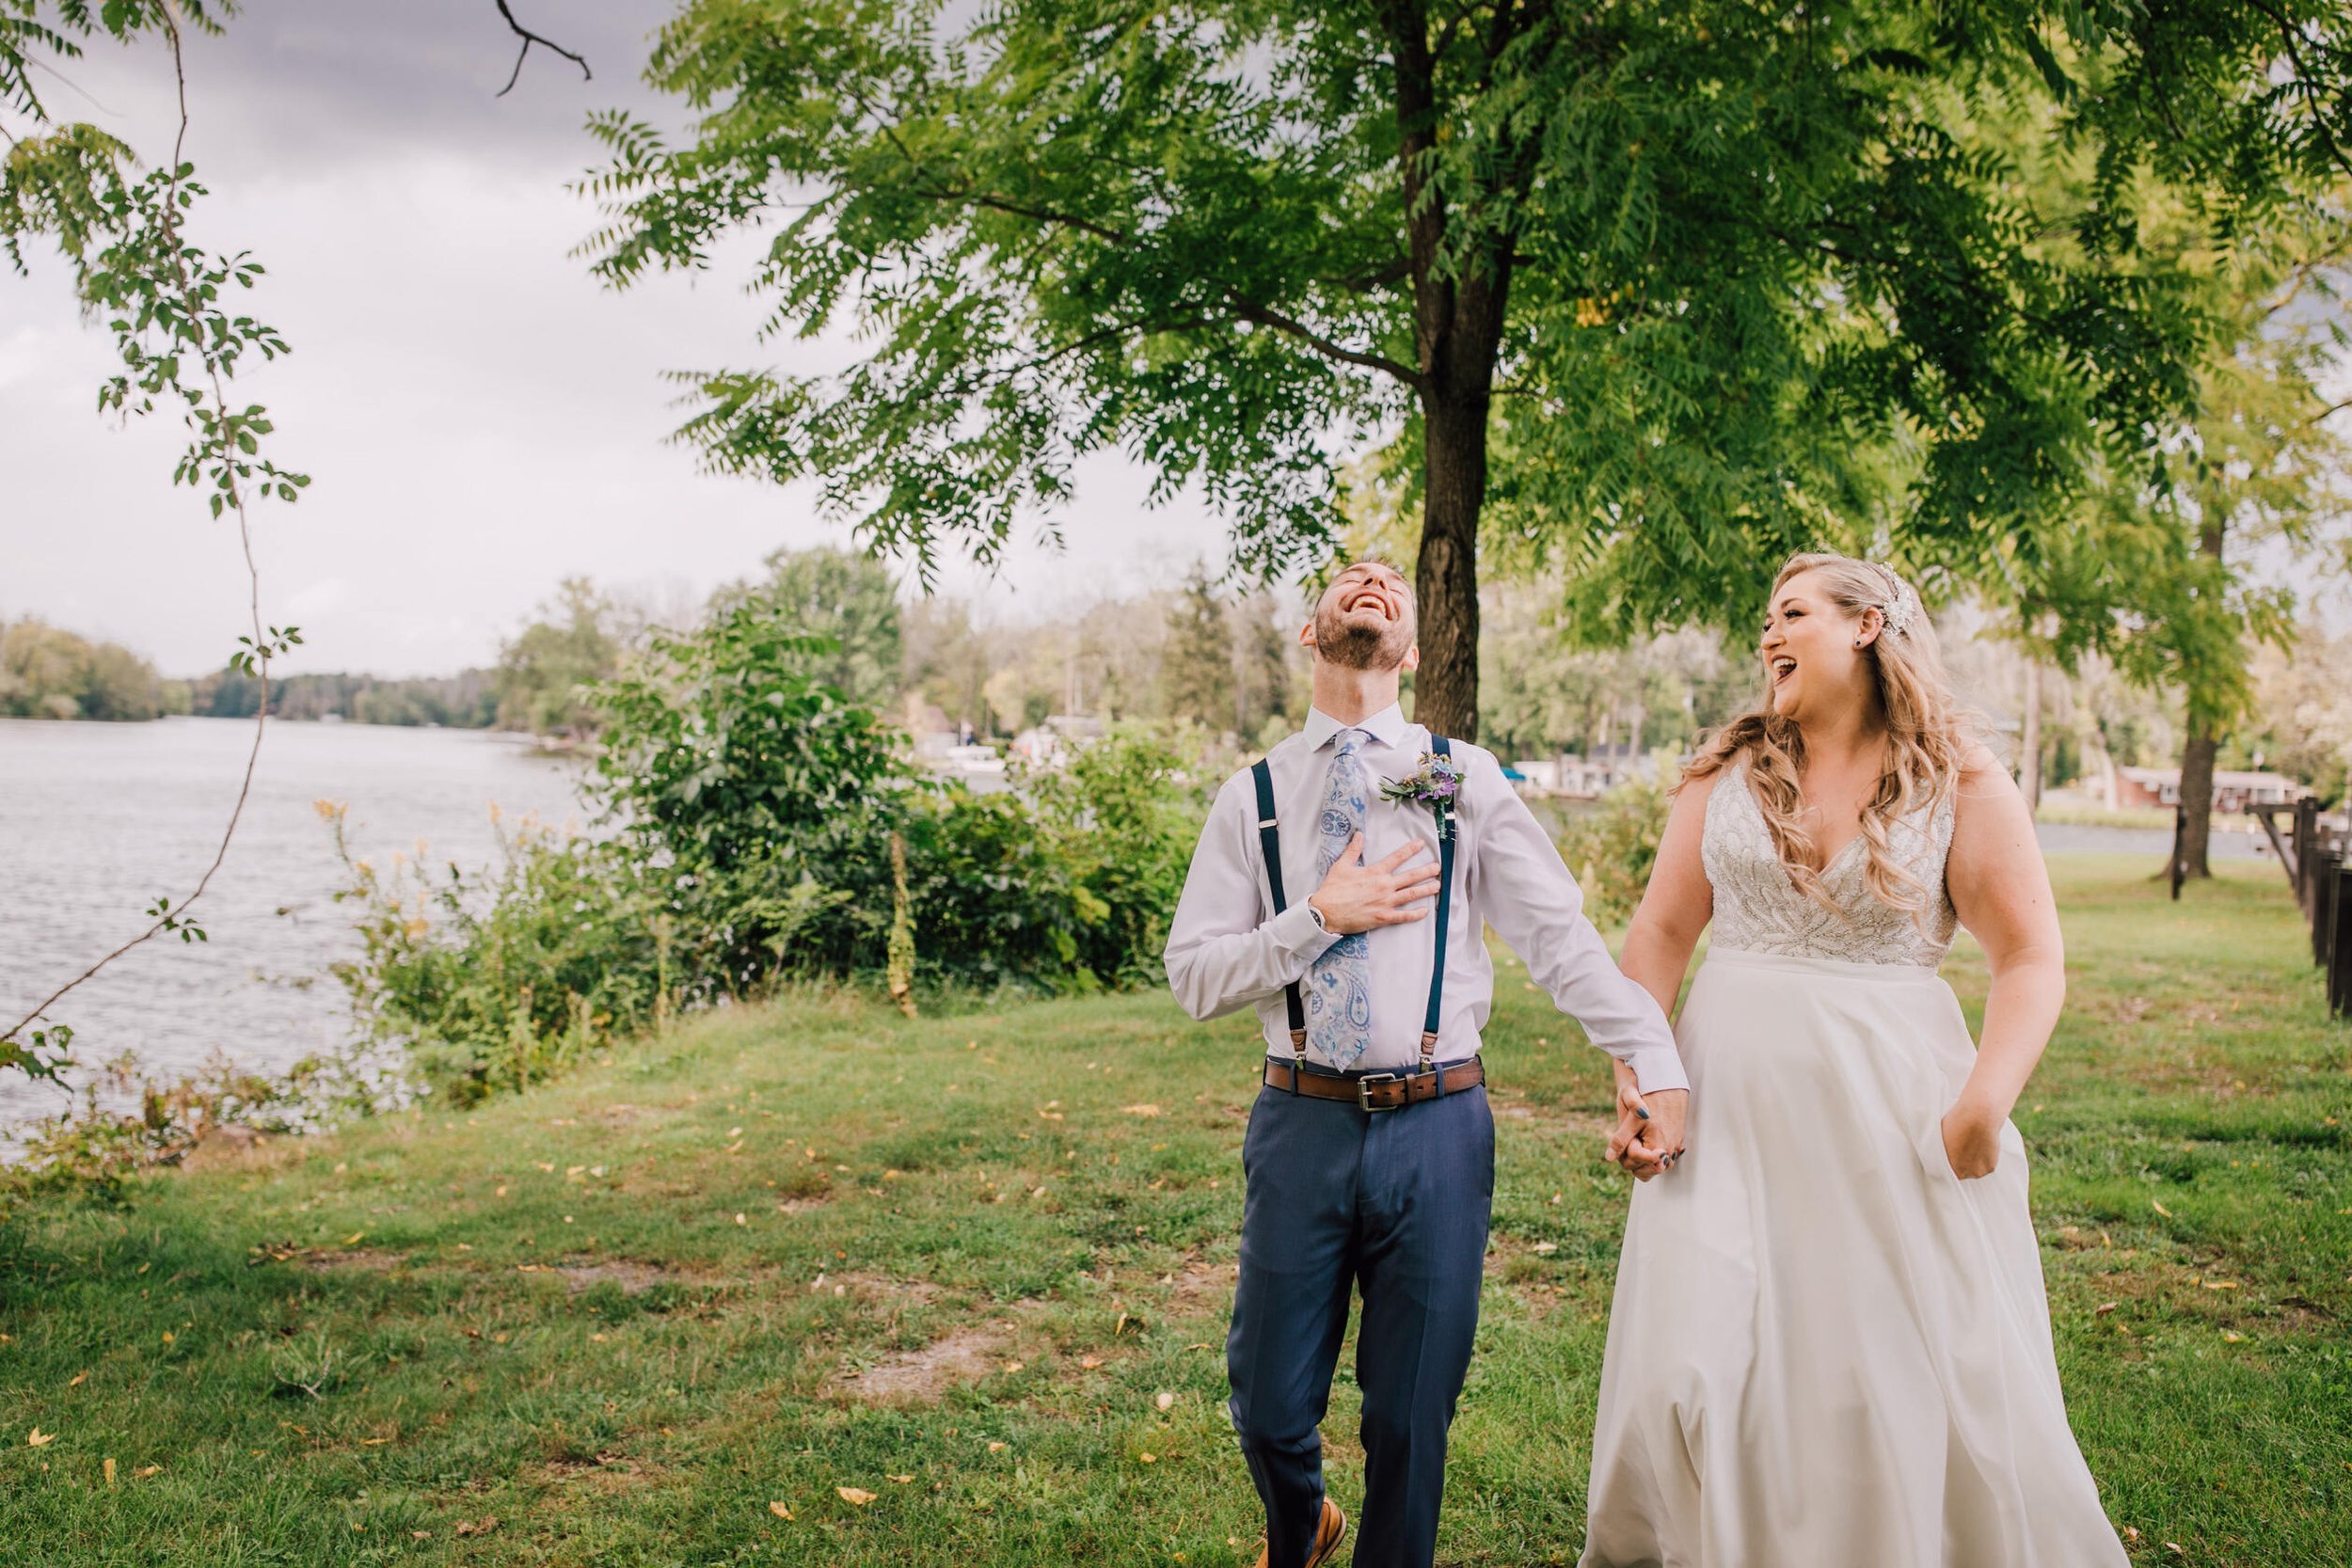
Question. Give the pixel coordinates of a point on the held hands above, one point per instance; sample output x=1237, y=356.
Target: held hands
x=1356, y=898
x=1972, y=1139
x=1649, y=1136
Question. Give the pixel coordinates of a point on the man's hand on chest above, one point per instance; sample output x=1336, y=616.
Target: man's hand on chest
x=1392, y=891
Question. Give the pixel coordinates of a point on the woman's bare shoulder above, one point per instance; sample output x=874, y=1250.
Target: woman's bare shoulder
x=1983, y=773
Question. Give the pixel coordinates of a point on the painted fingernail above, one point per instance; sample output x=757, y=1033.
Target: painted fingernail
x=1641, y=1111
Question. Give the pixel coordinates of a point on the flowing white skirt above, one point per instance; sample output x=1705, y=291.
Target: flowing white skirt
x=1826, y=1349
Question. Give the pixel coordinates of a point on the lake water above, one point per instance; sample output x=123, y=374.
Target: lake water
x=96, y=820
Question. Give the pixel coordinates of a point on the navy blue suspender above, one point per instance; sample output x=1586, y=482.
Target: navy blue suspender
x=1439, y=746
x=1270, y=845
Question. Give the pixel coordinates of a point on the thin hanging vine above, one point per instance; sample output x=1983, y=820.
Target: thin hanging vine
x=166, y=302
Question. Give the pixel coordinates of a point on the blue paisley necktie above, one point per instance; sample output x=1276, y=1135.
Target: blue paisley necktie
x=1339, y=990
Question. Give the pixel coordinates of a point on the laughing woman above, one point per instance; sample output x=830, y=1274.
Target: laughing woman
x=1830, y=1343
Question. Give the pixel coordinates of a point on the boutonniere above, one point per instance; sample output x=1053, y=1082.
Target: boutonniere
x=1433, y=783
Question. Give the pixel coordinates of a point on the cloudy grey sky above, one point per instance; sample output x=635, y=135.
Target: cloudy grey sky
x=480, y=417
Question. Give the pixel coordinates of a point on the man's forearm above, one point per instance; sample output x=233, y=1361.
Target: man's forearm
x=1212, y=974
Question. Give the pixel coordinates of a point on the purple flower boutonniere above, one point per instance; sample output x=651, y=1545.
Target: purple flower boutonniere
x=1435, y=783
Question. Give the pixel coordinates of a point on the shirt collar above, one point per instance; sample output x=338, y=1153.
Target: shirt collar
x=1385, y=726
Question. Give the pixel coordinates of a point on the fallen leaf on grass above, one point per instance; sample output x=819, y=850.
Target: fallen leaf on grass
x=1547, y=1247
x=780, y=1511
x=353, y=1240
x=39, y=1438
x=1139, y=1110
x=78, y=1379
x=996, y=1448
x=857, y=1495
x=2220, y=1284
x=2232, y=1336
x=902, y=1479
x=2103, y=1309
x=482, y=1526
x=1089, y=1362
x=1166, y=1400
x=1149, y=1458
x=2159, y=1208
x=145, y=1470
x=109, y=1469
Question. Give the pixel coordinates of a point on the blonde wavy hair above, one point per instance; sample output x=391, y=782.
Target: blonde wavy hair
x=1927, y=736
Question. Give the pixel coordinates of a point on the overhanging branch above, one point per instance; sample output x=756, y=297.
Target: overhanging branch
x=529, y=38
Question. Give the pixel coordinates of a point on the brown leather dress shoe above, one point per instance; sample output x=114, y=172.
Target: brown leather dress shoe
x=1328, y=1534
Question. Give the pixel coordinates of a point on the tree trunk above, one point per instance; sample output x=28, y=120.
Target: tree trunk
x=1446, y=575
x=2029, y=737
x=1461, y=279
x=2196, y=799
x=1237, y=630
x=2197, y=757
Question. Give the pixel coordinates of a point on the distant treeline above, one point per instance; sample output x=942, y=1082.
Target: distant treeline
x=49, y=673
x=465, y=701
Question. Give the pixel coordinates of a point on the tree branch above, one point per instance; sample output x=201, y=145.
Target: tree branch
x=1379, y=278
x=2301, y=84
x=1250, y=310
x=529, y=38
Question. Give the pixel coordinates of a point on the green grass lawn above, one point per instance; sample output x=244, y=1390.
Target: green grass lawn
x=695, y=1305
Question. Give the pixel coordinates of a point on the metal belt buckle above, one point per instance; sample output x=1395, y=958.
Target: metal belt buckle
x=1363, y=1090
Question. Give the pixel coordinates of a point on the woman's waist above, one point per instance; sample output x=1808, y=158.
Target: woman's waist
x=1877, y=971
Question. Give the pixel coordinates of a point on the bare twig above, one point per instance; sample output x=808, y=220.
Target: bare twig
x=523, y=54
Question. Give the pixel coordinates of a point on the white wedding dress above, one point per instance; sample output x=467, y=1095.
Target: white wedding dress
x=1826, y=1349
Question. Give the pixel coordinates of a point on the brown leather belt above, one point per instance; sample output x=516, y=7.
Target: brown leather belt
x=1376, y=1091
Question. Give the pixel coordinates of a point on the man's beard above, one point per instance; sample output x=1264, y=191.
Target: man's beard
x=1361, y=646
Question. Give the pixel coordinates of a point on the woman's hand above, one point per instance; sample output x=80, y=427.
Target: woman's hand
x=1643, y=1144
x=1972, y=1140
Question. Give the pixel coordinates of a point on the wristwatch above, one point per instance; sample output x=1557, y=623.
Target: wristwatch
x=1316, y=915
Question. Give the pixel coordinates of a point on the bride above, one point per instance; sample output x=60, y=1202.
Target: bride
x=1830, y=1345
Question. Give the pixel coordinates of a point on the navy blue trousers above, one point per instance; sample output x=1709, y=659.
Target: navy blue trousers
x=1394, y=1203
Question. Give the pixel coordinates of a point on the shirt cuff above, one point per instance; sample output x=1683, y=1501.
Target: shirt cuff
x=1295, y=933
x=1657, y=1068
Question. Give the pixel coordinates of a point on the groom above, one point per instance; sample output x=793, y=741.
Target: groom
x=1370, y=1155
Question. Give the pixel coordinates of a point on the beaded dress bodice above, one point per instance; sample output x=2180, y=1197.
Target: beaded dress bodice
x=1758, y=909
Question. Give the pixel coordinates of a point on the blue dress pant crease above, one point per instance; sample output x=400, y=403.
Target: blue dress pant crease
x=1390, y=1203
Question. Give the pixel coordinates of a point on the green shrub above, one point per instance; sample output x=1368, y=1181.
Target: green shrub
x=747, y=811
x=1613, y=844
x=493, y=981
x=1125, y=819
